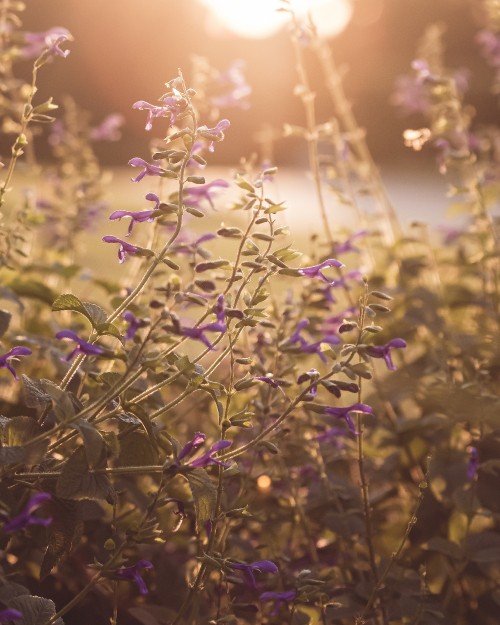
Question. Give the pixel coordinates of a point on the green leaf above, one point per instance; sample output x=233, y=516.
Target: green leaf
x=64, y=532
x=16, y=446
x=63, y=405
x=94, y=313
x=110, y=329
x=212, y=264
x=139, y=412
x=35, y=610
x=136, y=450
x=204, y=494
x=32, y=289
x=5, y=318
x=77, y=482
x=93, y=442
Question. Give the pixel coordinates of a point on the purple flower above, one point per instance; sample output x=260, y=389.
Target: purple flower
x=26, y=517
x=344, y=413
x=153, y=111
x=83, y=347
x=172, y=106
x=138, y=216
x=194, y=195
x=49, y=40
x=10, y=615
x=248, y=569
x=124, y=249
x=219, y=309
x=489, y=43
x=312, y=348
x=185, y=247
x=133, y=324
x=384, y=351
x=214, y=134
x=108, y=129
x=473, y=463
x=315, y=270
x=348, y=244
x=236, y=89
x=133, y=573
x=332, y=435
x=410, y=95
x=199, y=332
x=148, y=168
x=286, y=596
x=350, y=275
x=208, y=457
x=190, y=447
x=13, y=353
x=268, y=379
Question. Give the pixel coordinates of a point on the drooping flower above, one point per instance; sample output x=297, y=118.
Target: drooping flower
x=315, y=270
x=195, y=195
x=191, y=446
x=279, y=598
x=312, y=348
x=13, y=353
x=214, y=134
x=348, y=244
x=345, y=413
x=10, y=614
x=83, y=347
x=234, y=88
x=473, y=463
x=108, y=129
x=265, y=566
x=208, y=457
x=27, y=515
x=138, y=216
x=148, y=168
x=172, y=106
x=124, y=249
x=133, y=324
x=133, y=573
x=198, y=333
x=49, y=40
x=384, y=351
x=154, y=111
x=268, y=379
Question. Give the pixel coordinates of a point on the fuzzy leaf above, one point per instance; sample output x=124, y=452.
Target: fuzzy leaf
x=204, y=494
x=64, y=532
x=35, y=610
x=136, y=450
x=76, y=481
x=34, y=393
x=16, y=436
x=93, y=442
x=94, y=313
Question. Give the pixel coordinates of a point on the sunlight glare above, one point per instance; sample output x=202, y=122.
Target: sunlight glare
x=259, y=18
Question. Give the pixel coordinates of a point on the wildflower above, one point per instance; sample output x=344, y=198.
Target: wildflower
x=208, y=457
x=311, y=348
x=236, y=88
x=410, y=95
x=26, y=517
x=192, y=248
x=268, y=379
x=219, y=309
x=10, y=614
x=350, y=275
x=194, y=195
x=214, y=134
x=473, y=463
x=83, y=347
x=286, y=596
x=344, y=413
x=384, y=351
x=310, y=376
x=133, y=324
x=108, y=129
x=333, y=436
x=138, y=216
x=315, y=270
x=489, y=43
x=124, y=249
x=153, y=110
x=13, y=353
x=148, y=168
x=133, y=573
x=49, y=40
x=198, y=333
x=265, y=566
x=348, y=244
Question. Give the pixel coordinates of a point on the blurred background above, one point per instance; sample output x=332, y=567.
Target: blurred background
x=126, y=51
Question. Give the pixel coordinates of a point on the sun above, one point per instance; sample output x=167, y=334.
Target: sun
x=259, y=18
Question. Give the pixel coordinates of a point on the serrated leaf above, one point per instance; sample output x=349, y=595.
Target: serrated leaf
x=63, y=405
x=34, y=393
x=77, y=482
x=93, y=442
x=17, y=434
x=35, y=610
x=110, y=329
x=5, y=318
x=204, y=494
x=64, y=532
x=136, y=450
x=94, y=313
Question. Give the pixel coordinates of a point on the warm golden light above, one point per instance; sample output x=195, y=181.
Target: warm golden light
x=259, y=18
x=264, y=482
